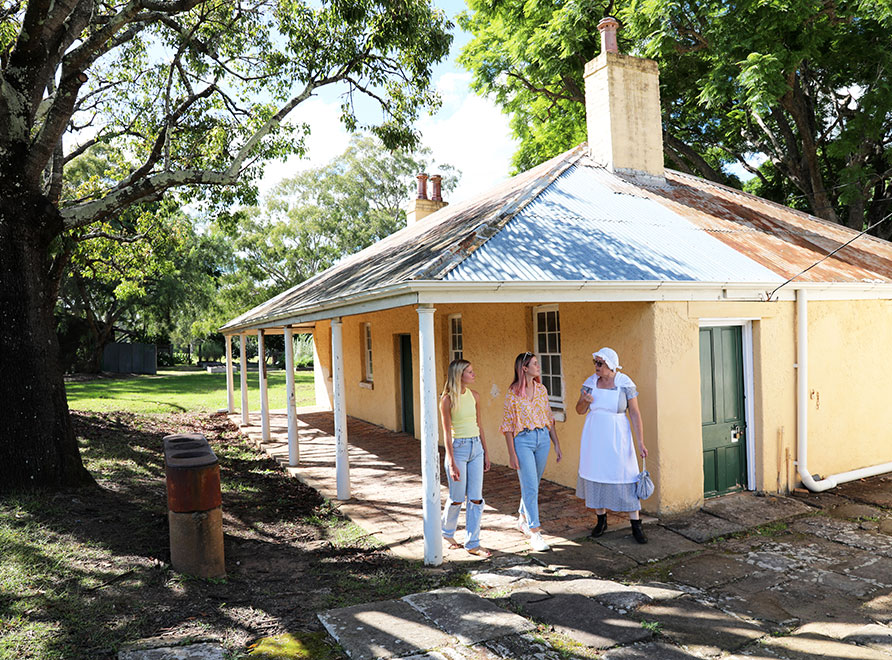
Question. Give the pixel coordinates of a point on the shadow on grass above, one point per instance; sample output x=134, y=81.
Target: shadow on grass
x=84, y=572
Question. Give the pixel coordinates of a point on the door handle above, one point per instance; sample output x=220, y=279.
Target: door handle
x=735, y=433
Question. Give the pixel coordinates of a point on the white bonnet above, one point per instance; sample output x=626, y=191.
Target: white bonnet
x=611, y=359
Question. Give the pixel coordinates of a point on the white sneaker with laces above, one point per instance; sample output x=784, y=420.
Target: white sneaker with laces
x=523, y=526
x=538, y=543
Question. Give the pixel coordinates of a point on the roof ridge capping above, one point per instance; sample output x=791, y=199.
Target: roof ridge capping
x=490, y=225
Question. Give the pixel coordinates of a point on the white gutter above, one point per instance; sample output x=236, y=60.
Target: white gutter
x=819, y=485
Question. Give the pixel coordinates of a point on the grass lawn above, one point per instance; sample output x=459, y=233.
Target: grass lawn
x=181, y=390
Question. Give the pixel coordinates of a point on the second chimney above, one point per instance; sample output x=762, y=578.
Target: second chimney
x=622, y=107
x=421, y=206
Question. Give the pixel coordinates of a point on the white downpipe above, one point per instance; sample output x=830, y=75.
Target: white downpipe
x=816, y=486
x=243, y=378
x=430, y=457
x=293, y=444
x=342, y=457
x=261, y=377
x=230, y=399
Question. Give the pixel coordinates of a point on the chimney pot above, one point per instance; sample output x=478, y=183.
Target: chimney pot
x=422, y=186
x=436, y=193
x=608, y=26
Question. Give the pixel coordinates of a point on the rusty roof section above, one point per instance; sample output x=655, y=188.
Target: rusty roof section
x=421, y=251
x=782, y=239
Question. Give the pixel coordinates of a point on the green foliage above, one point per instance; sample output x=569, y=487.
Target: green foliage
x=312, y=220
x=802, y=85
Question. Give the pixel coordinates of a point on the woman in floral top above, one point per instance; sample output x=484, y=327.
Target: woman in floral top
x=528, y=426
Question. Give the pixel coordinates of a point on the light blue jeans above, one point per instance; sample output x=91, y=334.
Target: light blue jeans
x=468, y=453
x=531, y=447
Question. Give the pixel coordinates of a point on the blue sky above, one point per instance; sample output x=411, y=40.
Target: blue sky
x=468, y=132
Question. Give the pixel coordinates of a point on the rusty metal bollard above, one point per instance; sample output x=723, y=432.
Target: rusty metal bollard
x=194, y=504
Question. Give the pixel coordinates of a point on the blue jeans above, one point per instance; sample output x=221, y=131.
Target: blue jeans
x=531, y=447
x=468, y=454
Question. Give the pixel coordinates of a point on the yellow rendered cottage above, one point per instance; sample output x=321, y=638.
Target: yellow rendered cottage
x=753, y=372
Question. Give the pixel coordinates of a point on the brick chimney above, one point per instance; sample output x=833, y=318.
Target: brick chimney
x=622, y=105
x=421, y=206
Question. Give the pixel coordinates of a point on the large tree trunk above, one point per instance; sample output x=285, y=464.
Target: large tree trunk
x=38, y=449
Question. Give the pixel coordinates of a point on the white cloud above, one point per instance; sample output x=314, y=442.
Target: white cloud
x=468, y=132
x=474, y=137
x=328, y=138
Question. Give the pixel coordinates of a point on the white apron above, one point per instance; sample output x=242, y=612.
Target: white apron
x=606, y=453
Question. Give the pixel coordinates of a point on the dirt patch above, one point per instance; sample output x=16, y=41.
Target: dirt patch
x=289, y=553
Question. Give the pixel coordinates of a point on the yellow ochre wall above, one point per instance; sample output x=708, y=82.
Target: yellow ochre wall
x=849, y=380
x=657, y=345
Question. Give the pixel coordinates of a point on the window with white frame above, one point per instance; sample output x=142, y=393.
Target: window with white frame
x=367, y=375
x=547, y=343
x=456, y=351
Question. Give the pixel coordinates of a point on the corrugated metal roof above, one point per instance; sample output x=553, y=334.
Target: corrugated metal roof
x=778, y=237
x=421, y=251
x=580, y=228
x=570, y=220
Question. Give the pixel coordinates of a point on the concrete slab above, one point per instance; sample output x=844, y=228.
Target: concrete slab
x=612, y=594
x=807, y=602
x=384, y=629
x=522, y=647
x=854, y=511
x=709, y=570
x=811, y=646
x=203, y=651
x=658, y=590
x=751, y=511
x=467, y=616
x=877, y=570
x=878, y=608
x=586, y=558
x=701, y=526
x=825, y=500
x=582, y=619
x=876, y=491
x=874, y=635
x=761, y=605
x=703, y=630
x=845, y=532
x=650, y=651
x=662, y=543
x=509, y=579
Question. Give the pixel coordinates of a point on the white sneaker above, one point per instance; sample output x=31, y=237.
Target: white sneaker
x=538, y=543
x=523, y=526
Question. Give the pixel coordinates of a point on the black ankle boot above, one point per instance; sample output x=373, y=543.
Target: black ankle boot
x=638, y=531
x=601, y=526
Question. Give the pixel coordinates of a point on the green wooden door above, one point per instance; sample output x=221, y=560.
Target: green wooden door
x=407, y=398
x=722, y=410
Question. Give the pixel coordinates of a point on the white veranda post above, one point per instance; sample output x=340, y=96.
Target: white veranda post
x=230, y=399
x=342, y=460
x=430, y=457
x=293, y=446
x=264, y=398
x=243, y=377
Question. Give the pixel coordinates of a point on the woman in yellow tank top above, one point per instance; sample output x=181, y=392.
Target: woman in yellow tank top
x=466, y=457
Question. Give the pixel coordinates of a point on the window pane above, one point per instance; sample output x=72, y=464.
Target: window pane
x=556, y=365
x=543, y=347
x=545, y=363
x=552, y=342
x=551, y=322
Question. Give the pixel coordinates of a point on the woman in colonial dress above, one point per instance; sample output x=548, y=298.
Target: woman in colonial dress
x=608, y=467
